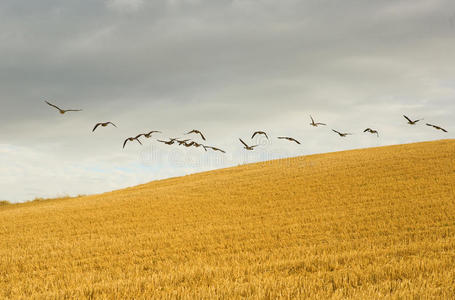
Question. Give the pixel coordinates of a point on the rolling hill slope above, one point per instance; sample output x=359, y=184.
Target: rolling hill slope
x=364, y=223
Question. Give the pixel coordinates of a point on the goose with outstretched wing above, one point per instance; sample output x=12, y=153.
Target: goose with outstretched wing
x=372, y=131
x=437, y=127
x=130, y=139
x=103, y=124
x=246, y=146
x=289, y=139
x=196, y=132
x=62, y=111
x=315, y=124
x=412, y=122
x=342, y=134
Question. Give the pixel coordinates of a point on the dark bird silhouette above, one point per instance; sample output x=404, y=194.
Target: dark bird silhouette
x=188, y=144
x=130, y=139
x=342, y=134
x=148, y=135
x=197, y=145
x=313, y=123
x=289, y=139
x=215, y=149
x=62, y=111
x=170, y=142
x=372, y=131
x=411, y=122
x=197, y=132
x=246, y=146
x=437, y=127
x=103, y=124
x=259, y=132
x=182, y=142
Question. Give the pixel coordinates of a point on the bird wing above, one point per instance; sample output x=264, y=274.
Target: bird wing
x=243, y=143
x=96, y=126
x=368, y=129
x=124, y=143
x=202, y=136
x=254, y=134
x=138, y=141
x=189, y=132
x=266, y=135
x=336, y=131
x=321, y=124
x=138, y=136
x=53, y=105
x=72, y=109
x=407, y=118
x=292, y=139
x=312, y=121
x=112, y=124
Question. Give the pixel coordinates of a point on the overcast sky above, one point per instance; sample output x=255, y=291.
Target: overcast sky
x=224, y=67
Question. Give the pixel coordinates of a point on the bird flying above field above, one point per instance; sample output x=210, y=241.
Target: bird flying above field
x=259, y=132
x=215, y=149
x=188, y=144
x=313, y=123
x=411, y=122
x=437, y=127
x=197, y=132
x=62, y=111
x=130, y=139
x=148, y=135
x=103, y=124
x=289, y=139
x=182, y=142
x=342, y=134
x=246, y=146
x=170, y=142
x=197, y=145
x=372, y=131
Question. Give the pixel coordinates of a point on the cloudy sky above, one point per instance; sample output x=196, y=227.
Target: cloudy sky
x=227, y=67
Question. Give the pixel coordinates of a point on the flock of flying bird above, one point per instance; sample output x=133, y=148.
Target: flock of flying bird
x=190, y=143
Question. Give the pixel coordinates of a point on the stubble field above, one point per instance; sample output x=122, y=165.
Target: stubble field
x=368, y=223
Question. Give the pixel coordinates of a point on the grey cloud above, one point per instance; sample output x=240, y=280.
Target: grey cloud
x=227, y=67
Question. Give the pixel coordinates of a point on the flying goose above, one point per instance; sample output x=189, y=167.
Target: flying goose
x=182, y=142
x=437, y=127
x=259, y=132
x=197, y=132
x=170, y=142
x=246, y=146
x=372, y=131
x=342, y=134
x=62, y=111
x=411, y=122
x=103, y=124
x=197, y=145
x=130, y=139
x=215, y=149
x=148, y=135
x=188, y=144
x=289, y=139
x=314, y=123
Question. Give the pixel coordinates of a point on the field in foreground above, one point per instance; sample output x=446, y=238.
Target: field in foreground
x=367, y=223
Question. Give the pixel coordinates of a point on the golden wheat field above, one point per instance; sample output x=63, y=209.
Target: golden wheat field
x=371, y=223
